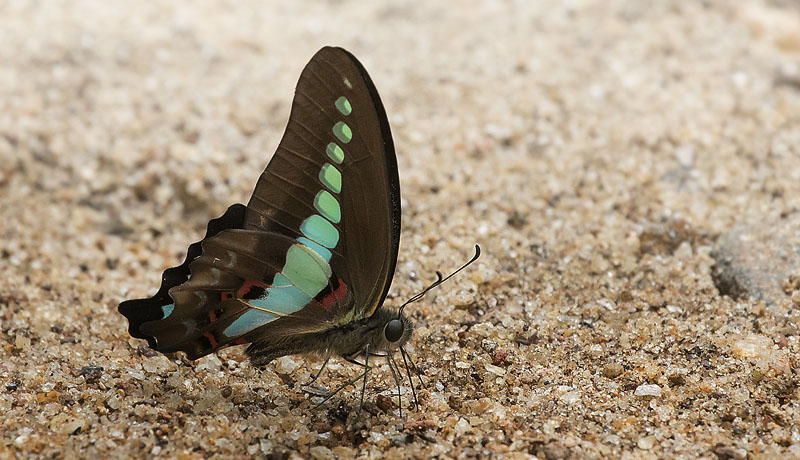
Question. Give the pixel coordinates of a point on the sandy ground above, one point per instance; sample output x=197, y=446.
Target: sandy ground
x=631, y=169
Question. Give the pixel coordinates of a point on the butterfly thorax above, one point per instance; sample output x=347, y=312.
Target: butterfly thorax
x=347, y=340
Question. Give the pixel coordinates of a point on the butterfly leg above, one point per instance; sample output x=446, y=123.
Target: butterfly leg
x=363, y=375
x=413, y=365
x=364, y=385
x=403, y=353
x=314, y=378
x=351, y=382
x=392, y=366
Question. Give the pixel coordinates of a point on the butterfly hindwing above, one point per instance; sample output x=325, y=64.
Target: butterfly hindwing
x=141, y=311
x=243, y=280
x=316, y=246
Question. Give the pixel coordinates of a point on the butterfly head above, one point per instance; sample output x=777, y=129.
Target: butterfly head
x=391, y=330
x=394, y=330
x=397, y=331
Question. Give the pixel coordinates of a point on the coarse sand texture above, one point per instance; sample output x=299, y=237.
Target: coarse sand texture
x=631, y=171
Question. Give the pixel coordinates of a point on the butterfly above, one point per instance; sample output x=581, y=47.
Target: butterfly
x=305, y=266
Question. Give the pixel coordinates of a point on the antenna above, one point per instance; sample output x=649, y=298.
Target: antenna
x=439, y=281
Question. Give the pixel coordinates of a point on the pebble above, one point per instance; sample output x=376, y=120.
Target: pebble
x=497, y=370
x=384, y=402
x=157, y=365
x=753, y=346
x=66, y=424
x=646, y=443
x=320, y=453
x=648, y=391
x=555, y=451
x=725, y=452
x=91, y=373
x=210, y=363
x=462, y=426
x=613, y=370
x=754, y=260
x=285, y=365
x=50, y=396
x=571, y=397
x=676, y=379
x=114, y=401
x=22, y=342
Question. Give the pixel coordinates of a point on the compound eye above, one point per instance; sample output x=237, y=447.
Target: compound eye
x=393, y=330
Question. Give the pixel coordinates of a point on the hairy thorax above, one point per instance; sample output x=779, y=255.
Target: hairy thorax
x=352, y=339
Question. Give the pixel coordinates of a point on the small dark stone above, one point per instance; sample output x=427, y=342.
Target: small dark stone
x=226, y=391
x=455, y=402
x=11, y=387
x=676, y=379
x=340, y=412
x=554, y=450
x=724, y=452
x=111, y=264
x=287, y=380
x=371, y=408
x=500, y=358
x=385, y=403
x=84, y=268
x=522, y=339
x=278, y=453
x=146, y=351
x=517, y=220
x=402, y=439
x=321, y=427
x=91, y=373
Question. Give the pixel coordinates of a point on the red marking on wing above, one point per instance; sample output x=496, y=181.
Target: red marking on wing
x=212, y=316
x=334, y=296
x=226, y=296
x=246, y=288
x=240, y=341
x=211, y=339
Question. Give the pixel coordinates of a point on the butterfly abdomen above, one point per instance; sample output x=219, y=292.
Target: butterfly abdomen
x=346, y=340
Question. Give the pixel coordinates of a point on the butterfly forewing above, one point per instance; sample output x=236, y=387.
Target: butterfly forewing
x=333, y=179
x=316, y=245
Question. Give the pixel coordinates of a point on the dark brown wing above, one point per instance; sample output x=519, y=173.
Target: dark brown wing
x=317, y=244
x=235, y=288
x=334, y=89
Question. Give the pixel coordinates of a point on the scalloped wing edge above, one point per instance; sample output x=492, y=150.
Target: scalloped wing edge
x=140, y=311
